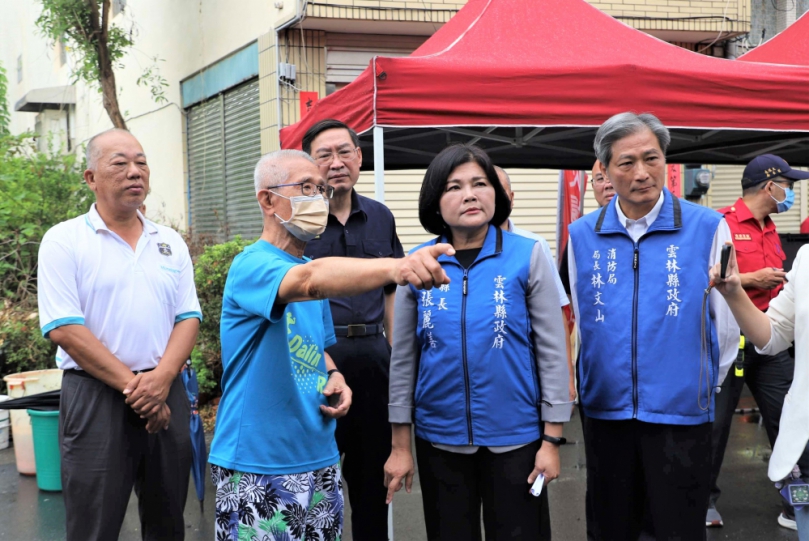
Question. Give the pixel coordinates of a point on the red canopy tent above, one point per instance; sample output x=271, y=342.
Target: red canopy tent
x=531, y=80
x=788, y=47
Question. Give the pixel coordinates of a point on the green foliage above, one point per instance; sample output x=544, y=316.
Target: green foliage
x=211, y=271
x=37, y=191
x=205, y=377
x=154, y=81
x=5, y=115
x=73, y=22
x=22, y=347
x=80, y=28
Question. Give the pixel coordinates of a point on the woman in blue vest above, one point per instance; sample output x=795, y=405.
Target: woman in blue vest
x=478, y=365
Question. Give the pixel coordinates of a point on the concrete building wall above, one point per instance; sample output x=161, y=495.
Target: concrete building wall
x=186, y=35
x=765, y=18
x=190, y=36
x=674, y=8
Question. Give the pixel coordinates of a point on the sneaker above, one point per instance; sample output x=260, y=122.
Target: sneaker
x=713, y=519
x=786, y=521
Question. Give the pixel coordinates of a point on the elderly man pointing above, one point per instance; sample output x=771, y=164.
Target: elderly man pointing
x=653, y=349
x=274, y=457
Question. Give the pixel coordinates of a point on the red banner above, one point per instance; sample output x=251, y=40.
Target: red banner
x=572, y=185
x=308, y=100
x=675, y=179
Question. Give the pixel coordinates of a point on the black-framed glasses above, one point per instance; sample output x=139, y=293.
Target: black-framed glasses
x=310, y=188
x=344, y=155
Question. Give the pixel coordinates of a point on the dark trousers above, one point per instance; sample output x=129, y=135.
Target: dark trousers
x=364, y=435
x=637, y=470
x=106, y=451
x=769, y=378
x=454, y=485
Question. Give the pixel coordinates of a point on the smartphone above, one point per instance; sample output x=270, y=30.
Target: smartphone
x=725, y=258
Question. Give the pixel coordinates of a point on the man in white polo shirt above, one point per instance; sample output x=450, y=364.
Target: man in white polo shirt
x=117, y=295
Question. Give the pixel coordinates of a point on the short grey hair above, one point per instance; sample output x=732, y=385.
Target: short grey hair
x=92, y=152
x=623, y=125
x=499, y=169
x=269, y=172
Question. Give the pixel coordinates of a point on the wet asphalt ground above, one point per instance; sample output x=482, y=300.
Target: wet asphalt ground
x=749, y=504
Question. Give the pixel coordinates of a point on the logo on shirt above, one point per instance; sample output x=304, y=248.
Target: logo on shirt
x=305, y=356
x=742, y=236
x=164, y=248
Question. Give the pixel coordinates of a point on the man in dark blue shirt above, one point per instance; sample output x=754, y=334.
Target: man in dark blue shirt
x=358, y=227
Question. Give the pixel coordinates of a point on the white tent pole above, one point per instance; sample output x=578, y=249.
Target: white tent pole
x=379, y=164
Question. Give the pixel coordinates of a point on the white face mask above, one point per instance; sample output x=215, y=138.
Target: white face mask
x=310, y=214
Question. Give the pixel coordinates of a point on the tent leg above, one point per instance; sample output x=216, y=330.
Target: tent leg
x=379, y=164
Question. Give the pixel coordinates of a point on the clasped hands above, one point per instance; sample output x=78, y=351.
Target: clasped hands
x=146, y=393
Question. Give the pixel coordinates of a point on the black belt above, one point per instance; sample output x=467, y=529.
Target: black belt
x=360, y=329
x=84, y=374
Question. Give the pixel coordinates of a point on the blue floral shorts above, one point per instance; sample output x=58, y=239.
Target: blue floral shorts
x=296, y=507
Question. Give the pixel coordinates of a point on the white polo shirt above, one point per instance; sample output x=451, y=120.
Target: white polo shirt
x=130, y=300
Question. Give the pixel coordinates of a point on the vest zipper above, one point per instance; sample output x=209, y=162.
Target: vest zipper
x=636, y=269
x=463, y=355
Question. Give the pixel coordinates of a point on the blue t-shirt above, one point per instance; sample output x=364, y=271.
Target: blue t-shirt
x=269, y=418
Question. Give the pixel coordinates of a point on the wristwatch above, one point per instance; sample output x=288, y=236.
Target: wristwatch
x=555, y=441
x=332, y=371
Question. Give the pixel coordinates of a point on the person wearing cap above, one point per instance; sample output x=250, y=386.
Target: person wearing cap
x=767, y=184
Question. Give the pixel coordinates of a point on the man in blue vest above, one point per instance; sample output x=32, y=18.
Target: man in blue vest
x=652, y=348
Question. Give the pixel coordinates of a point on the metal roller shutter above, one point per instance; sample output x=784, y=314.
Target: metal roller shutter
x=206, y=161
x=224, y=144
x=242, y=152
x=726, y=186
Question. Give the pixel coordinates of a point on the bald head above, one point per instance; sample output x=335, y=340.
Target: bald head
x=96, y=144
x=505, y=180
x=118, y=173
x=272, y=169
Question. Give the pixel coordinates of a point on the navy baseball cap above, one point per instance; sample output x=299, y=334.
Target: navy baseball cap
x=767, y=167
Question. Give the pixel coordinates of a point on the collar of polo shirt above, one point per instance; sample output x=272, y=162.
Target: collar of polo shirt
x=96, y=222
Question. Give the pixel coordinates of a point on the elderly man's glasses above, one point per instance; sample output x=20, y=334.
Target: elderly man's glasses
x=309, y=188
x=600, y=180
x=344, y=155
